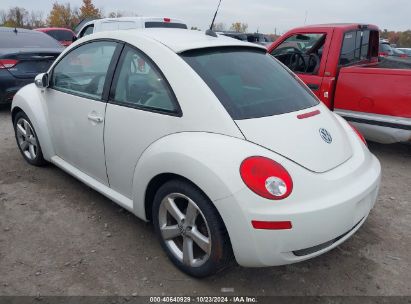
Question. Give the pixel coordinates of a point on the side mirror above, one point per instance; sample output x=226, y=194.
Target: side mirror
x=42, y=80
x=74, y=38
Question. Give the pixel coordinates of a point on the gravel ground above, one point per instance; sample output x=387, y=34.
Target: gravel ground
x=59, y=237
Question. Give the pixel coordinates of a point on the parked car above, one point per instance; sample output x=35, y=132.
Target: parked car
x=244, y=160
x=126, y=23
x=405, y=51
x=62, y=35
x=253, y=38
x=23, y=55
x=339, y=63
x=259, y=38
x=235, y=35
x=386, y=50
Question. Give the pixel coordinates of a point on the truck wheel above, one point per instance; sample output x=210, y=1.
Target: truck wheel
x=190, y=229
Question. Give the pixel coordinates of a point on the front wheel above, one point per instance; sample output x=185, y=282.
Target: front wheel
x=190, y=229
x=27, y=140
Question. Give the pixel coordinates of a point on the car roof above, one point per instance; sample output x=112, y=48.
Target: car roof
x=177, y=40
x=340, y=26
x=135, y=19
x=45, y=29
x=12, y=29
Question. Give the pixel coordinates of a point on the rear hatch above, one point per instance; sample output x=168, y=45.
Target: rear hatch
x=318, y=143
x=271, y=106
x=28, y=63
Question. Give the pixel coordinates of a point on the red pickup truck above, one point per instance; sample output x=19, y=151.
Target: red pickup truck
x=339, y=63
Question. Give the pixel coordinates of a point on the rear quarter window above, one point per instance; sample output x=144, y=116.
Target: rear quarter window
x=249, y=82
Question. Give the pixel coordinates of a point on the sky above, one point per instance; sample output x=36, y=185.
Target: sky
x=266, y=16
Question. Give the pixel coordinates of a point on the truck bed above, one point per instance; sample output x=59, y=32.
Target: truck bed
x=374, y=89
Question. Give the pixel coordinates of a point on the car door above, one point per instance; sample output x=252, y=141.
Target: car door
x=142, y=108
x=76, y=106
x=311, y=49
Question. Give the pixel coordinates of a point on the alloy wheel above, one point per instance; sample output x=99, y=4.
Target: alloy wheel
x=26, y=139
x=185, y=230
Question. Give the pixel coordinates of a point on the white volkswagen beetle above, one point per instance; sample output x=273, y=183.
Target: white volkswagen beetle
x=210, y=138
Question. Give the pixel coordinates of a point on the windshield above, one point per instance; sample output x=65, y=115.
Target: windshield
x=60, y=35
x=250, y=83
x=27, y=39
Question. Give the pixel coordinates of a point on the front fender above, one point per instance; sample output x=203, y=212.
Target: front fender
x=211, y=161
x=30, y=100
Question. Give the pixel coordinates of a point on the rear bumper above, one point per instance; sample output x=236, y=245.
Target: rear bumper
x=9, y=85
x=319, y=224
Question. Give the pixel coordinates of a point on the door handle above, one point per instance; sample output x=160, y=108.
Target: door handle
x=313, y=86
x=95, y=118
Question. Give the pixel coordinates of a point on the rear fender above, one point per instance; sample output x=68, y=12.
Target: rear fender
x=210, y=161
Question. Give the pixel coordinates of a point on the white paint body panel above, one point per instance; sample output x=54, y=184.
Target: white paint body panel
x=124, y=23
x=206, y=147
x=299, y=140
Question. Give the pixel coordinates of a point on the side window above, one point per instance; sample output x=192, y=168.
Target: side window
x=83, y=70
x=87, y=31
x=355, y=47
x=138, y=83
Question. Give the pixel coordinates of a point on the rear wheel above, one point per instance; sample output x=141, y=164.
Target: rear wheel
x=190, y=229
x=27, y=140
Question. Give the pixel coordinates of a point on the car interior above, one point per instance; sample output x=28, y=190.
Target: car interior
x=140, y=85
x=301, y=53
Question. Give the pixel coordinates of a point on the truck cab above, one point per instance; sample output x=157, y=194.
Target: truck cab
x=339, y=63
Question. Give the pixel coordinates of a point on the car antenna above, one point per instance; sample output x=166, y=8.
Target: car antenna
x=210, y=31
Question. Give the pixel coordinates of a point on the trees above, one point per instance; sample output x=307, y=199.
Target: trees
x=88, y=10
x=219, y=27
x=239, y=27
x=62, y=15
x=401, y=39
x=16, y=17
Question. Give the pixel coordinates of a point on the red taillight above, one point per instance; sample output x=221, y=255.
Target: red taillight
x=167, y=20
x=272, y=225
x=359, y=135
x=383, y=54
x=7, y=63
x=266, y=177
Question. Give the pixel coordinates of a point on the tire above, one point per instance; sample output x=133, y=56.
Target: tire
x=178, y=236
x=27, y=140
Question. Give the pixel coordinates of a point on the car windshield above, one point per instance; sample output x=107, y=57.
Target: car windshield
x=27, y=39
x=250, y=83
x=60, y=35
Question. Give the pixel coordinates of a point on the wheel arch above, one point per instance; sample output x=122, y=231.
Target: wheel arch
x=29, y=100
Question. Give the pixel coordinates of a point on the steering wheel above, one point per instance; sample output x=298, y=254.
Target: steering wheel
x=313, y=63
x=297, y=61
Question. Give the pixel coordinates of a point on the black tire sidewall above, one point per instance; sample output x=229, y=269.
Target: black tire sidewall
x=220, y=251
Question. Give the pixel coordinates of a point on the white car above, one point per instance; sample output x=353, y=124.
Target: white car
x=210, y=138
x=127, y=23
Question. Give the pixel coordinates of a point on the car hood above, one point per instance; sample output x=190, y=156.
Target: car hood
x=301, y=139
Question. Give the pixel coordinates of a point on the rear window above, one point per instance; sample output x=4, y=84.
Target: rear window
x=355, y=47
x=27, y=39
x=156, y=24
x=60, y=35
x=250, y=83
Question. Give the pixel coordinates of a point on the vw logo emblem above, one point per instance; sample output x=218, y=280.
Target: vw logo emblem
x=326, y=136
